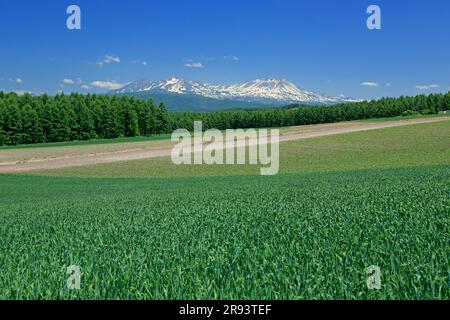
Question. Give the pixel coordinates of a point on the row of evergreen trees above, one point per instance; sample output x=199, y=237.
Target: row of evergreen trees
x=304, y=115
x=27, y=119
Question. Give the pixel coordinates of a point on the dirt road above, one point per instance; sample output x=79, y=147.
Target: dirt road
x=79, y=156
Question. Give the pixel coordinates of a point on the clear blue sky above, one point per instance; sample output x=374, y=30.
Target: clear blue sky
x=321, y=45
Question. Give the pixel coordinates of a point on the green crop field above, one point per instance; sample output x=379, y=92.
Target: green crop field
x=408, y=146
x=340, y=204
x=292, y=236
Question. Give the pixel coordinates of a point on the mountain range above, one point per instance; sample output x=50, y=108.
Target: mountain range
x=184, y=95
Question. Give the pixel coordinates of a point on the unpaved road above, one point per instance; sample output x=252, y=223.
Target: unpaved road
x=86, y=156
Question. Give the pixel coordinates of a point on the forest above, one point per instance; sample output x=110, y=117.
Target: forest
x=28, y=119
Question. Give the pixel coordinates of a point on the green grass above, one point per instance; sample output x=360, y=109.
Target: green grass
x=167, y=136
x=291, y=236
x=87, y=142
x=407, y=146
x=343, y=203
x=414, y=116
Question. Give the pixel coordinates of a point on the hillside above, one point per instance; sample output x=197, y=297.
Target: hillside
x=193, y=102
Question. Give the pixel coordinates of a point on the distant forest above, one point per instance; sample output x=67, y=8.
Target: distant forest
x=30, y=119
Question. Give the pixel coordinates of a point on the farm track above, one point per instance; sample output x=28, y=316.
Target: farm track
x=133, y=153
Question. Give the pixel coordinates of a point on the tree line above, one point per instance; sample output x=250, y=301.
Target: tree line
x=30, y=119
x=27, y=119
x=293, y=115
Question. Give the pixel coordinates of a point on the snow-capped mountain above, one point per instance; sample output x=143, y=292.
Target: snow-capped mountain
x=265, y=91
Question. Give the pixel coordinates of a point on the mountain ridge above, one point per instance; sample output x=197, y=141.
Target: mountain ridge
x=264, y=92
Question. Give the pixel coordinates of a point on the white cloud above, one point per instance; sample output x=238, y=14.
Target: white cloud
x=144, y=63
x=388, y=84
x=231, y=57
x=110, y=85
x=86, y=87
x=427, y=87
x=194, y=65
x=370, y=84
x=108, y=59
x=69, y=81
x=16, y=80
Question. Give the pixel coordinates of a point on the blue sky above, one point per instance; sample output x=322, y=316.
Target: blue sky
x=321, y=45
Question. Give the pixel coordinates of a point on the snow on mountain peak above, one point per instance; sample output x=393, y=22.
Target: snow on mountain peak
x=260, y=90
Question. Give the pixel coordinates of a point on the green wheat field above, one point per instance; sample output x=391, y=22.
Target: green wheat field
x=149, y=230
